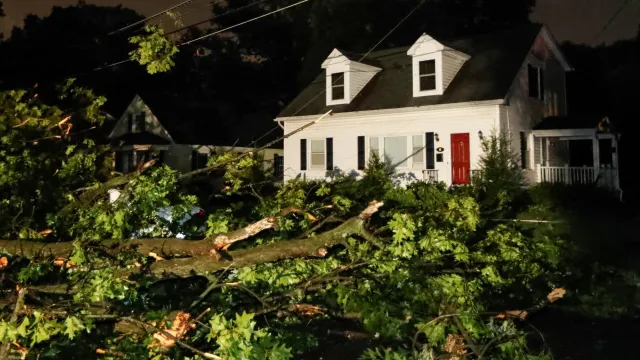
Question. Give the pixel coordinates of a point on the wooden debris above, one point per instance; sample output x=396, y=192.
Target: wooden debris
x=556, y=294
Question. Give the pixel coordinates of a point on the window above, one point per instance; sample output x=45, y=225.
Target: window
x=536, y=82
x=317, y=154
x=418, y=152
x=337, y=86
x=395, y=151
x=374, y=147
x=427, y=74
x=141, y=122
x=523, y=150
x=199, y=160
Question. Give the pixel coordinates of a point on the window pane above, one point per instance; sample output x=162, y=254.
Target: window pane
x=427, y=67
x=317, y=160
x=418, y=151
x=395, y=150
x=317, y=146
x=337, y=79
x=337, y=93
x=374, y=146
x=427, y=82
x=534, y=85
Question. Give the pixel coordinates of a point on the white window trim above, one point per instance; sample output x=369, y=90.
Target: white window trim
x=347, y=87
x=381, y=152
x=310, y=166
x=539, y=65
x=439, y=90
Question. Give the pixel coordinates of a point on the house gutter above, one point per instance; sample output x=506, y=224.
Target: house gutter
x=395, y=111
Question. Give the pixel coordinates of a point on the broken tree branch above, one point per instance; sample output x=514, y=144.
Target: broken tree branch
x=202, y=257
x=312, y=247
x=208, y=169
x=6, y=346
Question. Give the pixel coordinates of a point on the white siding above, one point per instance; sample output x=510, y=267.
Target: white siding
x=360, y=75
x=152, y=125
x=451, y=64
x=524, y=112
x=345, y=130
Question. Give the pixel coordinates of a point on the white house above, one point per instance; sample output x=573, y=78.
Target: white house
x=425, y=109
x=182, y=137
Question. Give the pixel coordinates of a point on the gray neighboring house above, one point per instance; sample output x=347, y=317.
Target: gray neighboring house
x=182, y=137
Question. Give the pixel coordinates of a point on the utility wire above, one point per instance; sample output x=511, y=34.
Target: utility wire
x=211, y=34
x=244, y=22
x=232, y=11
x=150, y=17
x=613, y=18
x=363, y=56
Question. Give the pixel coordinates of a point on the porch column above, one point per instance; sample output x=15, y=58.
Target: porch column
x=596, y=153
x=532, y=151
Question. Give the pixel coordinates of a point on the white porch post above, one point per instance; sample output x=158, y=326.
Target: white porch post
x=546, y=149
x=532, y=151
x=538, y=173
x=567, y=178
x=614, y=160
x=596, y=152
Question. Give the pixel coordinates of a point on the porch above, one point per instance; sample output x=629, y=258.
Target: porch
x=575, y=156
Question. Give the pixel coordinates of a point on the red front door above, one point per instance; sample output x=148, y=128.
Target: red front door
x=460, y=164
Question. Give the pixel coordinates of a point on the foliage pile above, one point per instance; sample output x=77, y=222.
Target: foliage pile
x=415, y=270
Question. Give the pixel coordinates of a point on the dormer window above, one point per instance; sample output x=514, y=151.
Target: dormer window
x=434, y=66
x=345, y=77
x=337, y=86
x=427, y=74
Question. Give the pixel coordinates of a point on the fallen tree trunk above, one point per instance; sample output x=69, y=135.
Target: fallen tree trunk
x=200, y=256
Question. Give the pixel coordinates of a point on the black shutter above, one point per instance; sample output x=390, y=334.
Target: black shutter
x=130, y=123
x=361, y=153
x=161, y=157
x=431, y=151
x=533, y=81
x=329, y=153
x=194, y=160
x=541, y=90
x=303, y=154
x=141, y=122
x=523, y=150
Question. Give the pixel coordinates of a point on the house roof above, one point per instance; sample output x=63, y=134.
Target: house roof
x=568, y=122
x=196, y=124
x=143, y=138
x=488, y=75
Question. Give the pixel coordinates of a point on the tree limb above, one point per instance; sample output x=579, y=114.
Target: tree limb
x=202, y=255
x=312, y=247
x=187, y=176
x=6, y=346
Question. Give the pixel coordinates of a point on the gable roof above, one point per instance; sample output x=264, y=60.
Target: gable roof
x=488, y=75
x=197, y=124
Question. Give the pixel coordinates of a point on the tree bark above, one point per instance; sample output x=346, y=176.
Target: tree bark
x=200, y=256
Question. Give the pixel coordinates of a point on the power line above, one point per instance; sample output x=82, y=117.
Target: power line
x=613, y=18
x=244, y=22
x=150, y=17
x=211, y=34
x=365, y=55
x=216, y=16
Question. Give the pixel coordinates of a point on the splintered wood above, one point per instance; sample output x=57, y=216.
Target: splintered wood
x=222, y=242
x=179, y=329
x=373, y=208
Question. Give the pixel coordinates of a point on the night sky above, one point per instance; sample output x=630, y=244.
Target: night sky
x=575, y=20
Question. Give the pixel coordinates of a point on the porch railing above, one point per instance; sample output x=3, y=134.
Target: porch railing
x=430, y=176
x=576, y=175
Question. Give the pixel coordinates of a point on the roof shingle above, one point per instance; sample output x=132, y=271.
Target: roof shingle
x=495, y=61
